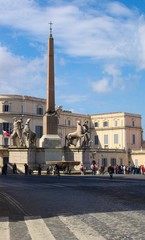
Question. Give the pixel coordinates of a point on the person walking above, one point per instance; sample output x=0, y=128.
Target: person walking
x=111, y=171
x=4, y=169
x=82, y=169
x=26, y=168
x=48, y=170
x=56, y=170
x=39, y=169
x=14, y=168
x=94, y=167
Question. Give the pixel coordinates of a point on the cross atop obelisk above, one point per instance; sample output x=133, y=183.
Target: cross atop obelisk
x=50, y=28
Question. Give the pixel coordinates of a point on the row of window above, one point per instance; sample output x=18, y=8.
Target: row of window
x=116, y=139
x=106, y=124
x=6, y=108
x=113, y=162
x=68, y=122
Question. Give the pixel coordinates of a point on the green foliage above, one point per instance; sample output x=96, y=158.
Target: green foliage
x=67, y=111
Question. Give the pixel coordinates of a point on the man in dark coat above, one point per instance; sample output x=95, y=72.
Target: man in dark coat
x=111, y=171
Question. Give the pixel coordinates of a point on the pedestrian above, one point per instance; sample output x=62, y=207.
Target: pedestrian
x=124, y=169
x=4, y=169
x=94, y=167
x=82, y=169
x=102, y=169
x=56, y=170
x=115, y=169
x=39, y=169
x=48, y=170
x=111, y=171
x=26, y=168
x=142, y=169
x=14, y=168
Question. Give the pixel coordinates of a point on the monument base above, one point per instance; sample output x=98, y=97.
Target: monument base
x=20, y=156
x=50, y=141
x=34, y=156
x=78, y=155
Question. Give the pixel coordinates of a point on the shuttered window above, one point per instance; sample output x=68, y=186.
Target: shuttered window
x=39, y=131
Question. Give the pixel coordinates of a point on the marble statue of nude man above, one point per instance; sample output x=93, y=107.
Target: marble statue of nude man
x=17, y=132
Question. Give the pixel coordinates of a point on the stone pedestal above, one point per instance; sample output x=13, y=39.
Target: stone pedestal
x=48, y=153
x=50, y=141
x=34, y=156
x=20, y=156
x=52, y=147
x=50, y=124
x=53, y=154
x=81, y=155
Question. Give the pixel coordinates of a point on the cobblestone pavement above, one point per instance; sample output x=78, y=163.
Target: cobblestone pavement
x=84, y=207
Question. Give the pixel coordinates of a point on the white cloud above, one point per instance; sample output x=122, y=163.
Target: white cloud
x=118, y=9
x=100, y=33
x=111, y=69
x=73, y=98
x=117, y=81
x=140, y=39
x=18, y=75
x=101, y=86
x=78, y=31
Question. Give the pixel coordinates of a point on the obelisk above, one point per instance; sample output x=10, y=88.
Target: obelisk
x=50, y=136
x=50, y=119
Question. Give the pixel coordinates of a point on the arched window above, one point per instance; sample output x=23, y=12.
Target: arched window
x=39, y=110
x=105, y=124
x=68, y=122
x=133, y=123
x=6, y=107
x=96, y=124
x=39, y=131
x=115, y=123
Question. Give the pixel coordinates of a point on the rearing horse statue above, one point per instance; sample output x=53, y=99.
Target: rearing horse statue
x=30, y=136
x=78, y=135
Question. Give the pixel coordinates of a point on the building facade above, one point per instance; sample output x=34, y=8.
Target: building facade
x=115, y=138
x=117, y=130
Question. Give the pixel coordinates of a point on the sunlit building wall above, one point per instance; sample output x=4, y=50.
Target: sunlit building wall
x=112, y=135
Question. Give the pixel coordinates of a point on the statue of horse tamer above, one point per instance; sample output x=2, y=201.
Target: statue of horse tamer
x=30, y=136
x=80, y=137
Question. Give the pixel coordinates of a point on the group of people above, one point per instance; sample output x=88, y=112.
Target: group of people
x=5, y=169
x=122, y=169
x=132, y=169
x=55, y=170
x=49, y=170
x=28, y=171
x=94, y=168
x=117, y=169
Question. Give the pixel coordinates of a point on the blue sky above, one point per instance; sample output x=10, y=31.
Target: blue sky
x=99, y=52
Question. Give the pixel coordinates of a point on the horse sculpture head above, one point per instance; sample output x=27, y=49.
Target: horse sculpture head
x=28, y=121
